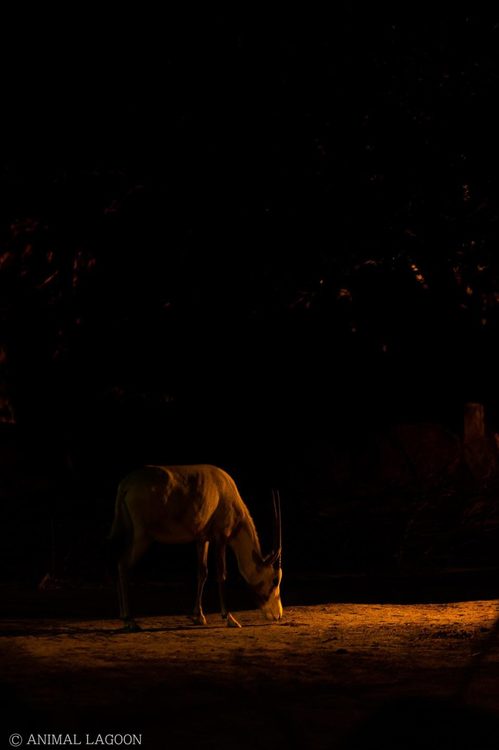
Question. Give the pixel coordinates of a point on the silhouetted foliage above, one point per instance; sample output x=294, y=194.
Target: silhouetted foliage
x=227, y=236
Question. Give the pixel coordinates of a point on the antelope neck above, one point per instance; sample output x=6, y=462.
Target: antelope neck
x=246, y=547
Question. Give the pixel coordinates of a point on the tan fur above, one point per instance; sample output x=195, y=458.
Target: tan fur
x=180, y=504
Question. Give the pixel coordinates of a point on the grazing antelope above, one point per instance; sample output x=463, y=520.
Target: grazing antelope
x=177, y=504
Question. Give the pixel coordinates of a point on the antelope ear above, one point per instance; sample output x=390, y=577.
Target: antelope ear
x=257, y=559
x=274, y=559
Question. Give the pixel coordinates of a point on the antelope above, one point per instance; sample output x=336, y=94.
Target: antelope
x=180, y=504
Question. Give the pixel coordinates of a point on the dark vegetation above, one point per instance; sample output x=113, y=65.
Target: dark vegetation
x=260, y=245
x=268, y=242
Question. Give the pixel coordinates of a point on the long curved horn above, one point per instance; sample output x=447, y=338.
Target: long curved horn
x=277, y=552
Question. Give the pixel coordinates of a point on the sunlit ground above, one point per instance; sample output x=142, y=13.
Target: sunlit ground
x=314, y=678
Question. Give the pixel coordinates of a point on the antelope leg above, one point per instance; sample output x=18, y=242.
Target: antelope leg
x=128, y=622
x=202, y=548
x=222, y=576
x=232, y=622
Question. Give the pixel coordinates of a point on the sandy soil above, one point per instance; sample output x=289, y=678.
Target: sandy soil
x=327, y=676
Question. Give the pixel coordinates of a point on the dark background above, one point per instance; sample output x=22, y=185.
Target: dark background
x=258, y=241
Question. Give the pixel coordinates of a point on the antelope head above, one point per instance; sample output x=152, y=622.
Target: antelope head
x=267, y=589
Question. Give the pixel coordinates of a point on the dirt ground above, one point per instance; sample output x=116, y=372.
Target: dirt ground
x=336, y=675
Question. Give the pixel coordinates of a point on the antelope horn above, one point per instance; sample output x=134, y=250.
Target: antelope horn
x=275, y=556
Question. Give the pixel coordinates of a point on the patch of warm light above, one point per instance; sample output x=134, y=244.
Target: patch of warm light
x=475, y=616
x=344, y=294
x=4, y=259
x=48, y=280
x=469, y=291
x=418, y=274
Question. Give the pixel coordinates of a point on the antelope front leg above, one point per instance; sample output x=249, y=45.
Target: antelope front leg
x=222, y=576
x=202, y=548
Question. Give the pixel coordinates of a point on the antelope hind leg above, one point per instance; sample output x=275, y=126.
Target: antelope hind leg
x=198, y=617
x=130, y=626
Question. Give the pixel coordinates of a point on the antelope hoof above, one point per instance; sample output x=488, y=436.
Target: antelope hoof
x=131, y=626
x=232, y=622
x=199, y=619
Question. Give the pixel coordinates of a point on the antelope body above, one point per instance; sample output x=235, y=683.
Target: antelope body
x=180, y=504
